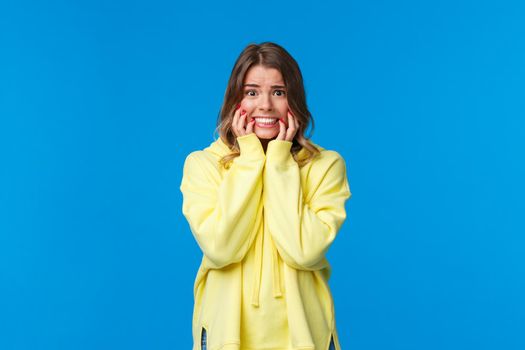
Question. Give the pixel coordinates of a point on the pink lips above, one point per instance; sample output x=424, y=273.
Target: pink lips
x=266, y=126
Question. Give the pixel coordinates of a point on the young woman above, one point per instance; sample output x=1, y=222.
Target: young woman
x=264, y=205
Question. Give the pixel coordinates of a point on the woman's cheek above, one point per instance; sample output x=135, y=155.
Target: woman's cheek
x=249, y=109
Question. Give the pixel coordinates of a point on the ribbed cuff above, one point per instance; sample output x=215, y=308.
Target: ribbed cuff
x=250, y=146
x=278, y=151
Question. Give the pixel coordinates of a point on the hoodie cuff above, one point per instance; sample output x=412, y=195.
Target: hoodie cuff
x=250, y=146
x=278, y=152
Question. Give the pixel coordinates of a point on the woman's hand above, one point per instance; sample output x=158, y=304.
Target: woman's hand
x=287, y=134
x=239, y=126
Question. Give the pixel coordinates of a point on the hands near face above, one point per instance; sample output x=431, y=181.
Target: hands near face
x=239, y=119
x=286, y=131
x=287, y=134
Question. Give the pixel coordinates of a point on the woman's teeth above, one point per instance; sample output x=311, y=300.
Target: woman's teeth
x=266, y=121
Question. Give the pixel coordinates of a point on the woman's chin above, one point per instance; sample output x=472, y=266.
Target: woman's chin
x=266, y=134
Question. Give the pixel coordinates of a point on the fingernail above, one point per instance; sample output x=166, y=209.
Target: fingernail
x=238, y=106
x=242, y=112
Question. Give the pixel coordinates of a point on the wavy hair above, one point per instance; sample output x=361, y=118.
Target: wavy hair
x=269, y=55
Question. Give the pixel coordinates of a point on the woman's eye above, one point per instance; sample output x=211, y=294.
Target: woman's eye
x=281, y=92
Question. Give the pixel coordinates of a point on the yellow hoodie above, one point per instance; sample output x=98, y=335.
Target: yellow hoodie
x=264, y=226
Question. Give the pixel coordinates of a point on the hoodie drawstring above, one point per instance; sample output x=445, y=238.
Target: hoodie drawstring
x=276, y=274
x=257, y=267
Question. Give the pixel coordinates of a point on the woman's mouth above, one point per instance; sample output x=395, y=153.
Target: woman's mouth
x=265, y=122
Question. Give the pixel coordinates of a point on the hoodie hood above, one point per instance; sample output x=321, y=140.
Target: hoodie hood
x=220, y=148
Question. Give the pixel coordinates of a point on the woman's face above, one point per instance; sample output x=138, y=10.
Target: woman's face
x=264, y=95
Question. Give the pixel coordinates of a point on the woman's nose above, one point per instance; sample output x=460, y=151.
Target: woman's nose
x=265, y=103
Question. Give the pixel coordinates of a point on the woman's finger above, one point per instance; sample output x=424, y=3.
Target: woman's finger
x=290, y=126
x=249, y=127
x=295, y=127
x=282, y=130
x=234, y=122
x=242, y=124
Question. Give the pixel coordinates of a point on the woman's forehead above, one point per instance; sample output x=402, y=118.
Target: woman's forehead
x=263, y=76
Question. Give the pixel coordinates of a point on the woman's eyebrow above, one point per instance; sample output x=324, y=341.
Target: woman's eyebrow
x=273, y=86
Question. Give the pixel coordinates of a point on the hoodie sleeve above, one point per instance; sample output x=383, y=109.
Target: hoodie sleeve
x=303, y=231
x=224, y=213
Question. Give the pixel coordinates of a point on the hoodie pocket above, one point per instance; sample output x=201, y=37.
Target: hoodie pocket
x=204, y=338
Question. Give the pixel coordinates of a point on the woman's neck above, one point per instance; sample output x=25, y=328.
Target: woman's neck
x=264, y=143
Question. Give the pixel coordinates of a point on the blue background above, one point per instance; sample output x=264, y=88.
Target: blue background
x=101, y=101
